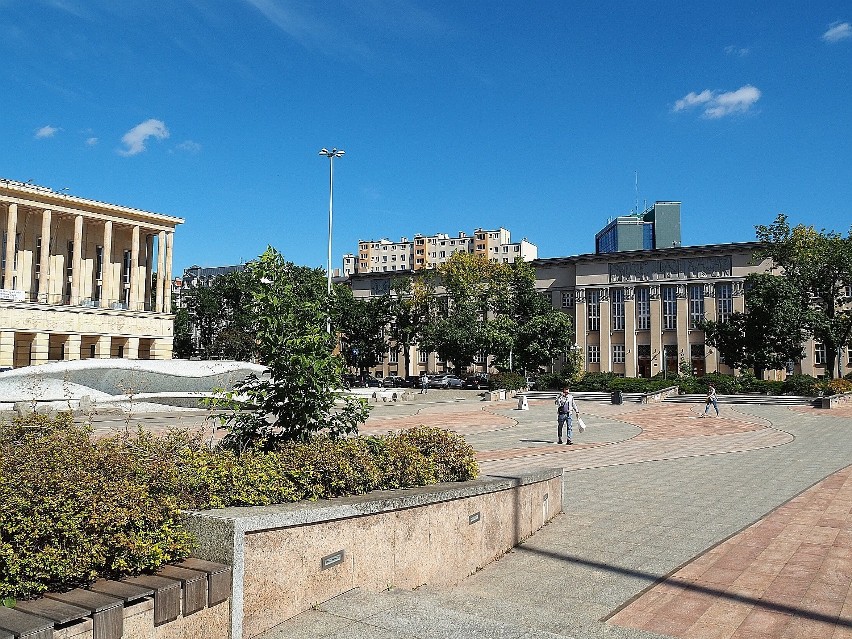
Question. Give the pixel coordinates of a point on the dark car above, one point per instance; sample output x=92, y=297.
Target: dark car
x=445, y=381
x=413, y=381
x=476, y=383
x=394, y=381
x=370, y=382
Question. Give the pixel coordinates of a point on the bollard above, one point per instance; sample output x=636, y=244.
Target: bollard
x=522, y=403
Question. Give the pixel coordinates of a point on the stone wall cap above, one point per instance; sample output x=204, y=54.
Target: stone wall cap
x=257, y=518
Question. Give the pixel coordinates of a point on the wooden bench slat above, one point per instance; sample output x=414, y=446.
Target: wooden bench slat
x=107, y=611
x=57, y=611
x=194, y=587
x=23, y=625
x=218, y=578
x=122, y=589
x=167, y=596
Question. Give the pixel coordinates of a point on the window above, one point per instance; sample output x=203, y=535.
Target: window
x=618, y=353
x=481, y=357
x=819, y=354
x=594, y=354
x=380, y=358
x=97, y=289
x=423, y=357
x=724, y=302
x=593, y=310
x=616, y=297
x=394, y=357
x=125, y=278
x=643, y=308
x=669, y=307
x=37, y=265
x=567, y=299
x=17, y=248
x=696, y=305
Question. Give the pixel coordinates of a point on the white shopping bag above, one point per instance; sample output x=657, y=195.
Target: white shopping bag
x=581, y=425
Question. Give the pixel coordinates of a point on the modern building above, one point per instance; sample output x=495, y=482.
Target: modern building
x=430, y=251
x=81, y=278
x=656, y=227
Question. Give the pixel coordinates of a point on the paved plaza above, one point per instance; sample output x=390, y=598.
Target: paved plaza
x=674, y=526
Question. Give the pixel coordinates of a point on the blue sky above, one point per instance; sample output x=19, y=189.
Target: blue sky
x=534, y=116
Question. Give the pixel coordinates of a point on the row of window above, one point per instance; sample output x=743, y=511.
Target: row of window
x=642, y=298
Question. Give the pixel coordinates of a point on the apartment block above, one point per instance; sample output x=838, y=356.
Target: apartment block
x=430, y=251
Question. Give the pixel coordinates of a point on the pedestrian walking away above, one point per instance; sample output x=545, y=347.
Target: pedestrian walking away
x=711, y=399
x=424, y=383
x=564, y=405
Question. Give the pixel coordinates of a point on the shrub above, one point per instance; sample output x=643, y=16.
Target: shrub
x=74, y=510
x=553, y=381
x=507, y=380
x=595, y=382
x=801, y=385
x=453, y=456
x=836, y=386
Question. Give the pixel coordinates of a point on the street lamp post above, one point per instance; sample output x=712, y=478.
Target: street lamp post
x=334, y=153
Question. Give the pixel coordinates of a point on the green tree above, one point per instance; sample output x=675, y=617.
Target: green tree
x=362, y=329
x=819, y=265
x=408, y=308
x=769, y=334
x=457, y=328
x=182, y=347
x=297, y=397
x=217, y=323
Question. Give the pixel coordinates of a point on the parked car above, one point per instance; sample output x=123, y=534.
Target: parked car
x=394, y=381
x=413, y=381
x=445, y=381
x=476, y=382
x=371, y=382
x=349, y=380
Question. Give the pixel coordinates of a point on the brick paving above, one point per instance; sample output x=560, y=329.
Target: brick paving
x=674, y=526
x=788, y=575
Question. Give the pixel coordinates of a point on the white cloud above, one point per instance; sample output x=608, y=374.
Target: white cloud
x=717, y=105
x=46, y=132
x=91, y=141
x=189, y=146
x=838, y=31
x=737, y=51
x=136, y=137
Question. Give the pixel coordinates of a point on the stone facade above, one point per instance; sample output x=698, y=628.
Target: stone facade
x=82, y=278
x=634, y=311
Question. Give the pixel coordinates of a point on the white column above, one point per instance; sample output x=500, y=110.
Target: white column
x=161, y=271
x=11, y=231
x=77, y=260
x=134, y=273
x=107, y=287
x=149, y=265
x=44, y=257
x=167, y=284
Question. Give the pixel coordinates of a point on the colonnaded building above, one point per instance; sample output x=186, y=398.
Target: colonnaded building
x=636, y=303
x=82, y=279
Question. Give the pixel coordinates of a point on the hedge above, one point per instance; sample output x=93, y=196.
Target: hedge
x=76, y=509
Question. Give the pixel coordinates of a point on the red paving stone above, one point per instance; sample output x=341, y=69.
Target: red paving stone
x=787, y=576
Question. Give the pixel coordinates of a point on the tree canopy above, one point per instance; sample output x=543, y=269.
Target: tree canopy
x=818, y=265
x=297, y=397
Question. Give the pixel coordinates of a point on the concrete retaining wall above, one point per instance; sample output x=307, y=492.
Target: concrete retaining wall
x=833, y=401
x=289, y=557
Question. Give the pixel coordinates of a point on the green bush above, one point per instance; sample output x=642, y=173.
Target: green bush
x=74, y=509
x=595, y=382
x=836, y=386
x=507, y=380
x=551, y=381
x=801, y=385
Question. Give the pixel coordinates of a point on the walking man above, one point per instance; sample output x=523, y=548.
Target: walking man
x=564, y=405
x=424, y=383
x=711, y=399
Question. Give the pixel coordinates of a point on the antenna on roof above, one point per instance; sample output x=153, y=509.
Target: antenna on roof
x=636, y=183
